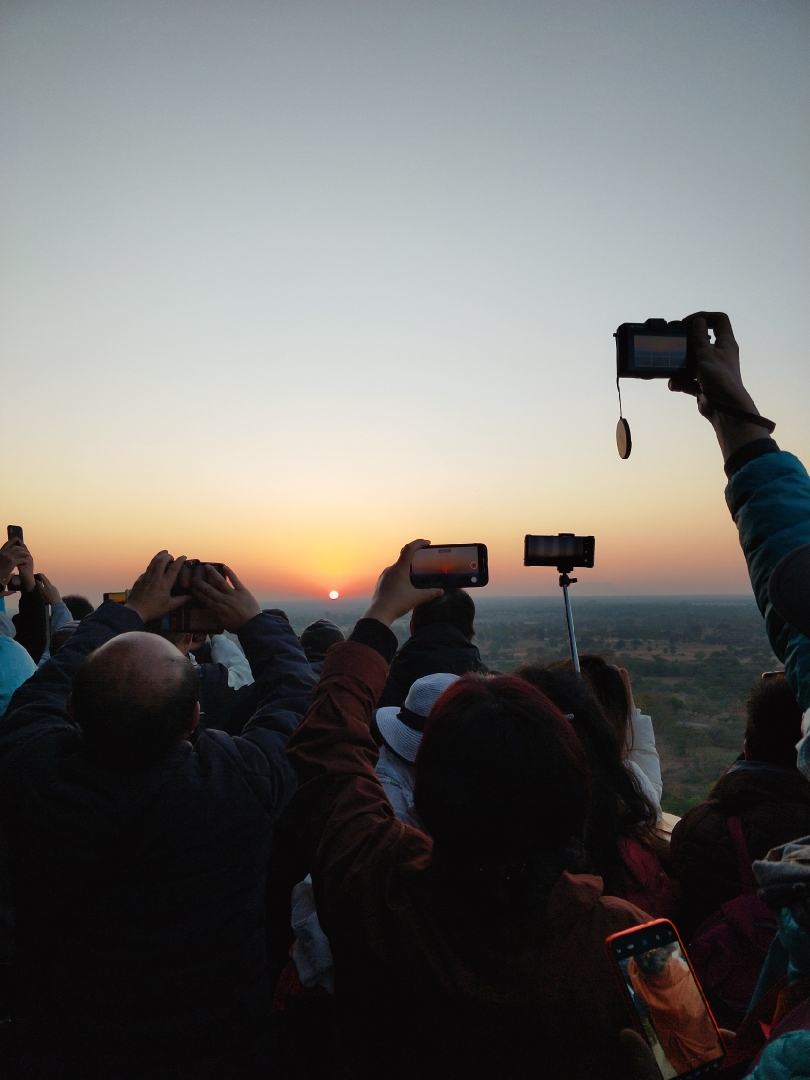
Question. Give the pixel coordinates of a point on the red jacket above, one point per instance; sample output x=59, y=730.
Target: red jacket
x=420, y=992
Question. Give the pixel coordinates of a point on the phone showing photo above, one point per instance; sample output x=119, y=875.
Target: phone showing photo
x=669, y=1007
x=450, y=566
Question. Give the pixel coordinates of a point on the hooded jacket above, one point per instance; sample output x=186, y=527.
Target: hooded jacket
x=773, y=805
x=434, y=648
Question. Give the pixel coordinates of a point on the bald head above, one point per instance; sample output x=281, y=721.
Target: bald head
x=135, y=697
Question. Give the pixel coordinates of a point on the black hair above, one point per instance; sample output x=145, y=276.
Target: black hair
x=78, y=606
x=454, y=608
x=609, y=690
x=502, y=786
x=774, y=722
x=618, y=806
x=134, y=726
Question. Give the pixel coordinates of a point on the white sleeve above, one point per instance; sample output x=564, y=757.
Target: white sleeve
x=60, y=615
x=227, y=652
x=643, y=755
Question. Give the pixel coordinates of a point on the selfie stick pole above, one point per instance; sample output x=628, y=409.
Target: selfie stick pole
x=565, y=581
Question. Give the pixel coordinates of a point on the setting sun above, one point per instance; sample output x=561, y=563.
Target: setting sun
x=334, y=594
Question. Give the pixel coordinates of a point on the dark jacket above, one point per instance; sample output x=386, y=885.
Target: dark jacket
x=773, y=804
x=30, y=623
x=432, y=649
x=139, y=895
x=421, y=994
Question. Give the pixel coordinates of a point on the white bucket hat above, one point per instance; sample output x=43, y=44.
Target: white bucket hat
x=402, y=728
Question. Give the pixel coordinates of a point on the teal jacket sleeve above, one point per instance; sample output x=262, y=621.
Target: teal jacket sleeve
x=769, y=499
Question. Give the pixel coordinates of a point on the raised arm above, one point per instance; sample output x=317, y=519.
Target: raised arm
x=39, y=706
x=768, y=492
x=340, y=798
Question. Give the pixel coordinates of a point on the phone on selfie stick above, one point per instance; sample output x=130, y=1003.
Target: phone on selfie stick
x=565, y=551
x=668, y=1006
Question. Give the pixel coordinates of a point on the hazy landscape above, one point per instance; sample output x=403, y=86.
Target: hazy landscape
x=692, y=661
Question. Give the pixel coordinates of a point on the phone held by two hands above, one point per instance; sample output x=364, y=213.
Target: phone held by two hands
x=668, y=1005
x=450, y=566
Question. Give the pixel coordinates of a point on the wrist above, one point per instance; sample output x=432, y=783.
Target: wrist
x=381, y=613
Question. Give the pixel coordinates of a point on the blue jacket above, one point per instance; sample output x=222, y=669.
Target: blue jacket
x=140, y=895
x=769, y=499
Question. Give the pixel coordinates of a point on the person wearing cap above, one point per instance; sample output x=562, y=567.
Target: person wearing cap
x=768, y=494
x=401, y=731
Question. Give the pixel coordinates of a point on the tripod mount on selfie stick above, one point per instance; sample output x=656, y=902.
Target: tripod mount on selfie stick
x=565, y=551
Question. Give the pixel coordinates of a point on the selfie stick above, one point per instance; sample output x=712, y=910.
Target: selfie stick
x=565, y=581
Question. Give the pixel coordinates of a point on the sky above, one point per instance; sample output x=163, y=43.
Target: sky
x=288, y=284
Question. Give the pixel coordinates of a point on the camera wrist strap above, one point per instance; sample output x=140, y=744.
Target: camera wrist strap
x=740, y=414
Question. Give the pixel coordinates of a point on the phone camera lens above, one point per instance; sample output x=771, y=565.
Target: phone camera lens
x=473, y=580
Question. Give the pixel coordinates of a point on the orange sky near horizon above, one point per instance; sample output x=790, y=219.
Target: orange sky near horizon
x=286, y=285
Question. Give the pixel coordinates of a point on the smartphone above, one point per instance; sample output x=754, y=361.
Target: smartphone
x=668, y=1005
x=768, y=675
x=14, y=584
x=654, y=349
x=564, y=548
x=450, y=566
x=15, y=532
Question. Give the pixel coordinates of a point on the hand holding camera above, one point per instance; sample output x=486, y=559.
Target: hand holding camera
x=151, y=595
x=224, y=595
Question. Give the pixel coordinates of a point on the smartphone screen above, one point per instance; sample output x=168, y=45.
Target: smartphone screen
x=14, y=532
x=668, y=1001
x=450, y=566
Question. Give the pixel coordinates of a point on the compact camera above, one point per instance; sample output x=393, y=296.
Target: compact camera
x=654, y=349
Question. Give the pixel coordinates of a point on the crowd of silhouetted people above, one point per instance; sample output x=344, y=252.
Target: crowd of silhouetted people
x=246, y=853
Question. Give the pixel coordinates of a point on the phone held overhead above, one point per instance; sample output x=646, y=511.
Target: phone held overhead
x=565, y=551
x=15, y=532
x=450, y=566
x=667, y=1004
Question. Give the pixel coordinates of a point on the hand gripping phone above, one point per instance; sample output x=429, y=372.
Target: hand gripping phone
x=450, y=566
x=668, y=1005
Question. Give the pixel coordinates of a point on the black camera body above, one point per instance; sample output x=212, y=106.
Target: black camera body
x=654, y=349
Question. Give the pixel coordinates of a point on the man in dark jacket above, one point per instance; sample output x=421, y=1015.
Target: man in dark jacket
x=441, y=640
x=765, y=791
x=138, y=863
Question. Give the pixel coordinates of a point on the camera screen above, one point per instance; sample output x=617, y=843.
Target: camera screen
x=657, y=353
x=667, y=999
x=458, y=559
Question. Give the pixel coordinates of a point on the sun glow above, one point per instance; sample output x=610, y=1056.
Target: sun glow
x=334, y=594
